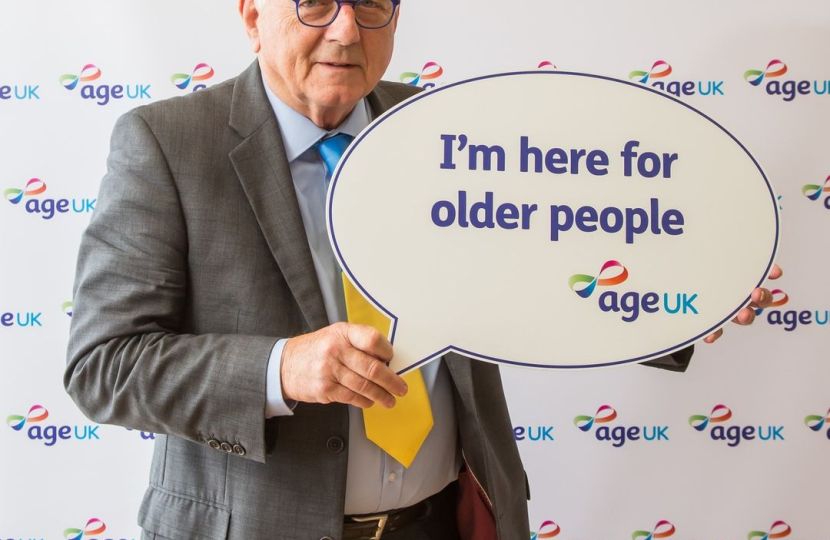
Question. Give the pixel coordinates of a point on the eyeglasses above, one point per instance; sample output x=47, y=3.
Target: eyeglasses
x=371, y=14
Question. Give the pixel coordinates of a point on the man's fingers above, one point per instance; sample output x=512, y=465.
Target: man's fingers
x=745, y=317
x=370, y=341
x=775, y=272
x=365, y=388
x=341, y=394
x=713, y=337
x=374, y=370
x=761, y=298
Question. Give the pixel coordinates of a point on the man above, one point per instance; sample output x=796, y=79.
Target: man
x=207, y=309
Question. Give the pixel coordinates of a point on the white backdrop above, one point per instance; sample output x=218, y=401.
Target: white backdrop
x=773, y=377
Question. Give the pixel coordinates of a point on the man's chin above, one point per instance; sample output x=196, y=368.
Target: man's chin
x=338, y=97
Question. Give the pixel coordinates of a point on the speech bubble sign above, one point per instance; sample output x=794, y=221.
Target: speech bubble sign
x=550, y=220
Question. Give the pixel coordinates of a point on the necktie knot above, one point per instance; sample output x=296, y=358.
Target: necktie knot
x=332, y=149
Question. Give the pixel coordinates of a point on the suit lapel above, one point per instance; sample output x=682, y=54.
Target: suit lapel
x=263, y=170
x=262, y=167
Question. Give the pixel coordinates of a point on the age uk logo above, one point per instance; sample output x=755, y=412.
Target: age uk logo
x=429, y=72
x=548, y=529
x=632, y=304
x=201, y=72
x=92, y=528
x=770, y=79
x=50, y=434
x=733, y=435
x=663, y=529
x=661, y=70
x=779, y=529
x=791, y=319
x=37, y=413
x=620, y=434
x=815, y=192
x=46, y=208
x=816, y=422
x=102, y=93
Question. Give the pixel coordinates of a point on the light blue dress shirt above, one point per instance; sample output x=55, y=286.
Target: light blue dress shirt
x=375, y=482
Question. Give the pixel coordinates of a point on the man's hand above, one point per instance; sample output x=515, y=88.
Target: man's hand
x=761, y=298
x=343, y=363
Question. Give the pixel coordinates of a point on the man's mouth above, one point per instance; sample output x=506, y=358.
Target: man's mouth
x=338, y=64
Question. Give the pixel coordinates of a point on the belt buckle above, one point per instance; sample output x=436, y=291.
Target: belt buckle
x=381, y=519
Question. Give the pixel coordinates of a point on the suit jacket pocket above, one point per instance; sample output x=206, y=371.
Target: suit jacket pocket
x=180, y=517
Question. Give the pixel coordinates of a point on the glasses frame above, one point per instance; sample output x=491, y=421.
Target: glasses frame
x=353, y=3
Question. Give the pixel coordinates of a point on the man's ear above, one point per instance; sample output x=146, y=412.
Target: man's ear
x=250, y=16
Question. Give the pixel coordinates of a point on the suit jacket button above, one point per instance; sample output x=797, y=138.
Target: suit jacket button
x=335, y=445
x=213, y=443
x=226, y=447
x=239, y=450
x=326, y=538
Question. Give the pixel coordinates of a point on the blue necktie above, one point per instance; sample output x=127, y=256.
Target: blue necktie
x=331, y=150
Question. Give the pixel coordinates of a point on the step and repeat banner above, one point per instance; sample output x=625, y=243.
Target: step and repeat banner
x=735, y=448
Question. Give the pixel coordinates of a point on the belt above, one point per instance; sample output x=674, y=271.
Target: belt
x=372, y=526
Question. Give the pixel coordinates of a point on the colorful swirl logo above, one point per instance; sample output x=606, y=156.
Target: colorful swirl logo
x=814, y=191
x=548, y=529
x=659, y=70
x=779, y=298
x=16, y=422
x=816, y=421
x=430, y=71
x=779, y=529
x=592, y=281
x=90, y=529
x=201, y=72
x=663, y=529
x=775, y=68
x=604, y=414
x=67, y=308
x=720, y=413
x=545, y=64
x=90, y=72
x=35, y=186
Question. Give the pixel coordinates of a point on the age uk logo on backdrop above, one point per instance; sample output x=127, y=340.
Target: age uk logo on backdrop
x=817, y=422
x=50, y=434
x=201, y=72
x=620, y=434
x=733, y=435
x=102, y=94
x=92, y=528
x=429, y=72
x=818, y=192
x=660, y=70
x=663, y=529
x=770, y=78
x=46, y=208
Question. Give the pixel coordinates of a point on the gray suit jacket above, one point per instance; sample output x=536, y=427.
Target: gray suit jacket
x=194, y=263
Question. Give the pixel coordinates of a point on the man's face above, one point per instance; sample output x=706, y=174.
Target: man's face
x=321, y=69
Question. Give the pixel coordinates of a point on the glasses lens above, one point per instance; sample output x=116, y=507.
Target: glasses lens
x=374, y=13
x=316, y=12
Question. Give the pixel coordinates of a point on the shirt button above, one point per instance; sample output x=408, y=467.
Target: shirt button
x=335, y=445
x=392, y=477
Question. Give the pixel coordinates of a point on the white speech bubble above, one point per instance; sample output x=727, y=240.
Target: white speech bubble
x=503, y=288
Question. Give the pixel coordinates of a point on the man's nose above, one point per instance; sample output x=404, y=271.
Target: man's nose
x=344, y=28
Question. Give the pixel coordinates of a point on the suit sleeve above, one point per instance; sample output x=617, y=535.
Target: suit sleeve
x=127, y=362
x=676, y=361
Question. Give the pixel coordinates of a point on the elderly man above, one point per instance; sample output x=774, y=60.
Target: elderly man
x=209, y=310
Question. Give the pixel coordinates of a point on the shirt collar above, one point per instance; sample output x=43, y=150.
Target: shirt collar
x=299, y=133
